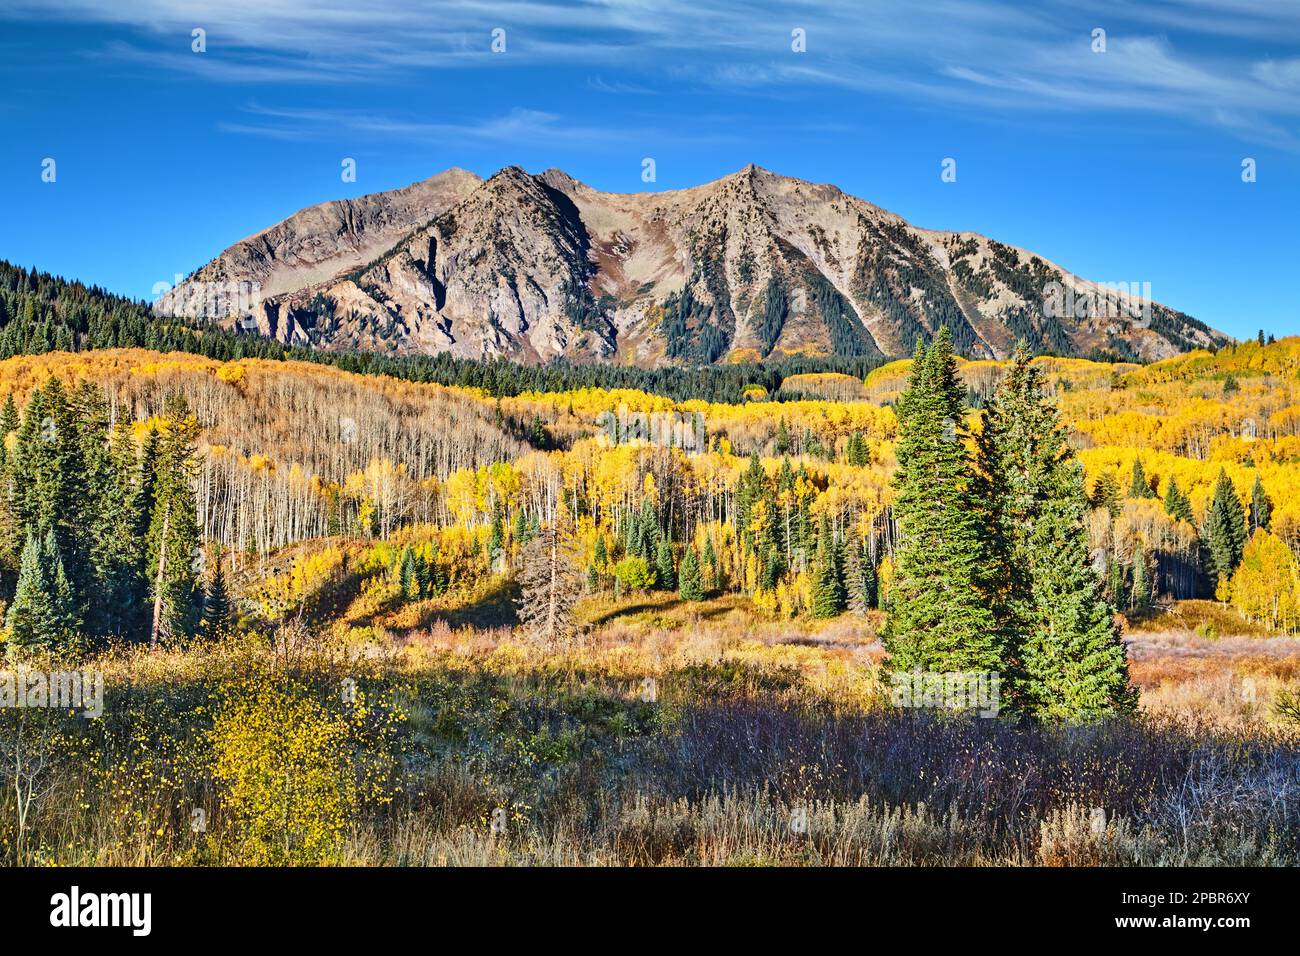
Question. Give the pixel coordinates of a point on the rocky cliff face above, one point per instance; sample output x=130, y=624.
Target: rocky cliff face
x=751, y=266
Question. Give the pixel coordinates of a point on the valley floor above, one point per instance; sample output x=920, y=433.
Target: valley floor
x=669, y=734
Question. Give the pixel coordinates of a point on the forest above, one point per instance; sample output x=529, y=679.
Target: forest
x=428, y=611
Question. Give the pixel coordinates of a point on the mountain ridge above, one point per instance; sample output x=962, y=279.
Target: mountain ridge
x=748, y=267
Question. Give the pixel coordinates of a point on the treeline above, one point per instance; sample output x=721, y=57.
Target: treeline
x=99, y=531
x=1199, y=562
x=42, y=313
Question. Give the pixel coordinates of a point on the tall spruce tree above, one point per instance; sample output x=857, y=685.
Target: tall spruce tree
x=863, y=587
x=1224, y=534
x=1063, y=656
x=665, y=573
x=713, y=570
x=217, y=612
x=173, y=540
x=941, y=619
x=1140, y=599
x=1105, y=494
x=689, y=587
x=1177, y=504
x=1139, y=486
x=1261, y=507
x=34, y=619
x=828, y=590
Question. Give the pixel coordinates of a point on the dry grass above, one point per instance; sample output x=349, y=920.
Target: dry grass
x=761, y=744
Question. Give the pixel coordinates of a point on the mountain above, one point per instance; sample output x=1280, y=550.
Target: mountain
x=749, y=267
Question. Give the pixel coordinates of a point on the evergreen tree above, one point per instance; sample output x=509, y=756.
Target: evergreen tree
x=217, y=616
x=172, y=545
x=1261, y=507
x=121, y=568
x=601, y=557
x=520, y=531
x=649, y=533
x=1105, y=494
x=1224, y=534
x=1139, y=487
x=496, y=539
x=689, y=587
x=406, y=576
x=863, y=586
x=1177, y=504
x=8, y=423
x=33, y=618
x=782, y=438
x=1063, y=653
x=714, y=580
x=750, y=489
x=857, y=453
x=1141, y=595
x=773, y=569
x=828, y=585
x=48, y=482
x=665, y=574
x=1117, y=586
x=941, y=619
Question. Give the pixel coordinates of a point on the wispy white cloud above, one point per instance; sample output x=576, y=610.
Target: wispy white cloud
x=1199, y=60
x=512, y=127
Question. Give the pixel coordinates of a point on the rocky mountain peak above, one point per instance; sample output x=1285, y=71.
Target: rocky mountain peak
x=750, y=266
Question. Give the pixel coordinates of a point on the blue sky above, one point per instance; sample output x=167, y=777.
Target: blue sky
x=1122, y=165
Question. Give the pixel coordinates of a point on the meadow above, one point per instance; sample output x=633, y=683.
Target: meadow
x=666, y=735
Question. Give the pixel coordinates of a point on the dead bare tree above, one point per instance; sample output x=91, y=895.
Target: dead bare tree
x=550, y=583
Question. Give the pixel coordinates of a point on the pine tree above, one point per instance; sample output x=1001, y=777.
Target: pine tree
x=1141, y=595
x=688, y=579
x=941, y=619
x=1139, y=487
x=1225, y=530
x=48, y=483
x=1063, y=653
x=828, y=591
x=863, y=587
x=217, y=617
x=665, y=574
x=33, y=618
x=857, y=453
x=773, y=569
x=1117, y=582
x=406, y=575
x=520, y=531
x=1105, y=494
x=601, y=557
x=1261, y=507
x=173, y=541
x=496, y=539
x=8, y=423
x=750, y=489
x=1177, y=504
x=120, y=565
x=714, y=580
x=782, y=438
